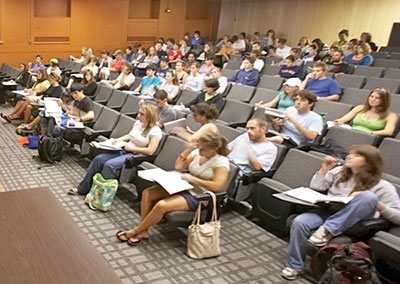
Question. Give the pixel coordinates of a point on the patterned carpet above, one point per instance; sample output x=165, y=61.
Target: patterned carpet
x=250, y=254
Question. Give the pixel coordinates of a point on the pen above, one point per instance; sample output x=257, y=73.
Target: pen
x=255, y=106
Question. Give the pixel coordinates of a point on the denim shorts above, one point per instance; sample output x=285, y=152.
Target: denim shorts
x=191, y=200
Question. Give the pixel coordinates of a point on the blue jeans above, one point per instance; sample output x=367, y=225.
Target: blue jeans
x=361, y=207
x=108, y=164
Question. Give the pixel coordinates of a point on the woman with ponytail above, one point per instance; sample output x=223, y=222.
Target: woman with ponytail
x=208, y=170
x=360, y=177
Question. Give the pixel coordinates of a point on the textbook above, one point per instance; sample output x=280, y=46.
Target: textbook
x=274, y=112
x=108, y=145
x=171, y=181
x=168, y=126
x=286, y=137
x=307, y=196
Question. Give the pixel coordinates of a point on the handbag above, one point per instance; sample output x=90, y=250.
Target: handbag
x=101, y=195
x=203, y=240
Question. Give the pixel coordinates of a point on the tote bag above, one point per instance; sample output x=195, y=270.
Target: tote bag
x=203, y=239
x=101, y=195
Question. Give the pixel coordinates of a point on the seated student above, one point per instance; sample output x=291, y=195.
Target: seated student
x=295, y=52
x=123, y=81
x=105, y=60
x=203, y=113
x=304, y=46
x=301, y=124
x=247, y=76
x=37, y=65
x=163, y=68
x=208, y=51
x=322, y=49
x=197, y=39
x=285, y=98
x=361, y=55
x=222, y=80
x=328, y=57
x=366, y=38
x=151, y=59
x=338, y=66
x=86, y=53
x=208, y=170
x=256, y=46
x=165, y=112
x=209, y=96
x=148, y=86
x=342, y=43
x=374, y=116
x=184, y=48
x=222, y=42
x=270, y=38
x=169, y=45
x=180, y=72
x=21, y=79
x=92, y=66
x=252, y=151
x=53, y=67
x=175, y=53
x=191, y=58
x=351, y=47
x=258, y=63
x=224, y=54
x=361, y=177
x=171, y=85
x=140, y=56
x=310, y=56
x=195, y=81
x=88, y=82
x=325, y=88
x=40, y=86
x=115, y=65
x=206, y=68
x=143, y=138
x=290, y=69
x=239, y=44
x=282, y=50
x=129, y=54
x=82, y=110
x=159, y=49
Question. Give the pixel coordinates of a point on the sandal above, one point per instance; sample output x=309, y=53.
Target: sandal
x=5, y=117
x=134, y=241
x=120, y=234
x=72, y=191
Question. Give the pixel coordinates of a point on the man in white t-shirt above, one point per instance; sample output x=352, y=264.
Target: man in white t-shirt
x=301, y=124
x=282, y=51
x=252, y=151
x=258, y=63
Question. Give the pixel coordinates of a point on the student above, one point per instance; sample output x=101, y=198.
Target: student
x=148, y=86
x=290, y=69
x=338, y=66
x=195, y=81
x=222, y=80
x=165, y=112
x=37, y=65
x=115, y=65
x=171, y=85
x=361, y=55
x=247, y=76
x=123, y=81
x=180, y=72
x=360, y=177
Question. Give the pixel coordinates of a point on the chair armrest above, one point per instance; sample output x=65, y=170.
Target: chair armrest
x=92, y=134
x=236, y=124
x=137, y=159
x=254, y=176
x=369, y=227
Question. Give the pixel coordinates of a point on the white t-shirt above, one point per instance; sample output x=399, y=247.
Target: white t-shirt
x=129, y=79
x=239, y=44
x=310, y=120
x=258, y=64
x=206, y=170
x=283, y=52
x=138, y=140
x=223, y=83
x=242, y=147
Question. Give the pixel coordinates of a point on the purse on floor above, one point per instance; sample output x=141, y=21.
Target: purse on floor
x=203, y=239
x=101, y=195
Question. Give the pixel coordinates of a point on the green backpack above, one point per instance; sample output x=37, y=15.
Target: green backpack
x=101, y=195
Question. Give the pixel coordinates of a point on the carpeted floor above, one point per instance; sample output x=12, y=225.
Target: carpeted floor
x=250, y=254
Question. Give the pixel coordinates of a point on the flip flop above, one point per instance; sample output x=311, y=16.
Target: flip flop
x=134, y=241
x=120, y=234
x=5, y=117
x=72, y=191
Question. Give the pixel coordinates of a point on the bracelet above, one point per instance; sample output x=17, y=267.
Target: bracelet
x=181, y=157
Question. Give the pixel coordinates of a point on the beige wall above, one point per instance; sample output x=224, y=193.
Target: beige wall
x=314, y=18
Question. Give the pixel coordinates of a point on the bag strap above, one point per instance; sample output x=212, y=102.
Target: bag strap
x=196, y=219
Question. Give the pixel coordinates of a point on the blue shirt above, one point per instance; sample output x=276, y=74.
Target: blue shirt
x=324, y=87
x=147, y=83
x=249, y=78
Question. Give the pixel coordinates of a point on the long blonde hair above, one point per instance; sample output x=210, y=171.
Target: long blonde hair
x=150, y=112
x=216, y=141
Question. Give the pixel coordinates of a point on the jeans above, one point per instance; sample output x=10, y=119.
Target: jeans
x=108, y=164
x=361, y=207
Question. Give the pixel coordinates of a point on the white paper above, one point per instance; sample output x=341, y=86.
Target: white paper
x=75, y=124
x=78, y=75
x=108, y=145
x=21, y=92
x=8, y=83
x=52, y=108
x=171, y=181
x=312, y=196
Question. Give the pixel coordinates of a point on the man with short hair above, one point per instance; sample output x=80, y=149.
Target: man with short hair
x=252, y=151
x=165, y=112
x=342, y=43
x=163, y=68
x=115, y=65
x=148, y=86
x=339, y=67
x=197, y=39
x=247, y=76
x=258, y=63
x=224, y=54
x=160, y=51
x=290, y=69
x=282, y=51
x=301, y=124
x=325, y=88
x=123, y=81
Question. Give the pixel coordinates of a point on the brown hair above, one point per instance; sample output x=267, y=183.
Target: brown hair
x=321, y=65
x=55, y=76
x=210, y=111
x=174, y=77
x=92, y=79
x=365, y=47
x=43, y=72
x=216, y=141
x=308, y=95
x=383, y=108
x=371, y=172
x=150, y=113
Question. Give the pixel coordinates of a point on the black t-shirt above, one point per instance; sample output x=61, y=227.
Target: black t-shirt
x=52, y=92
x=90, y=89
x=84, y=105
x=340, y=68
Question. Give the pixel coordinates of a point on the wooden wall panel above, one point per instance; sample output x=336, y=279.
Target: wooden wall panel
x=324, y=18
x=50, y=26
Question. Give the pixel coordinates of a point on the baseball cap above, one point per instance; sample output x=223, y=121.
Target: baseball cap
x=293, y=82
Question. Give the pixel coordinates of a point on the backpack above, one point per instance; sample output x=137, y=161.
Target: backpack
x=50, y=149
x=348, y=264
x=329, y=147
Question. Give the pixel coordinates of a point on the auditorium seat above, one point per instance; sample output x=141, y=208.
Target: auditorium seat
x=386, y=63
x=354, y=96
x=392, y=85
x=270, y=82
x=350, y=81
x=368, y=71
x=332, y=110
x=241, y=93
x=235, y=113
x=263, y=95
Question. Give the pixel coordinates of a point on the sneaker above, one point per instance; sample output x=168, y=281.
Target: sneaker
x=320, y=238
x=289, y=273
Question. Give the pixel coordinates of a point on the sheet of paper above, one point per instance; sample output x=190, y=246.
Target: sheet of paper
x=8, y=83
x=21, y=92
x=108, y=145
x=170, y=181
x=312, y=196
x=52, y=107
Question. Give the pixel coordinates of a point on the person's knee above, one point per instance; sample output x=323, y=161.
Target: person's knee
x=367, y=197
x=300, y=223
x=161, y=206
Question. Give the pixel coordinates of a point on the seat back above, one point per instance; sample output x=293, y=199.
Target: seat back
x=263, y=95
x=392, y=84
x=228, y=73
x=235, y=111
x=368, y=71
x=392, y=73
x=170, y=151
x=395, y=103
x=192, y=124
x=233, y=64
x=187, y=96
x=228, y=132
x=394, y=56
x=77, y=67
x=103, y=94
x=390, y=149
x=117, y=100
x=124, y=125
x=345, y=137
x=97, y=109
x=297, y=168
x=136, y=83
x=241, y=93
x=332, y=110
x=270, y=70
x=131, y=106
x=113, y=75
x=107, y=120
x=270, y=82
x=352, y=81
x=379, y=54
x=354, y=96
x=387, y=63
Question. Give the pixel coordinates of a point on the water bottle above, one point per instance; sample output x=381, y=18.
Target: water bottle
x=64, y=119
x=323, y=115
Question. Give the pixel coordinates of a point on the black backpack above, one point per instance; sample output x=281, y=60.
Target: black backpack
x=347, y=264
x=50, y=149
